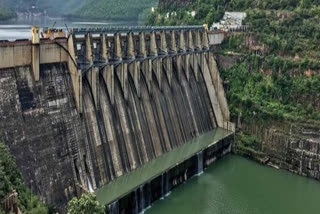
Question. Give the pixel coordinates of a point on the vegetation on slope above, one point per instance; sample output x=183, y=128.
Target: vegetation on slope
x=116, y=10
x=273, y=88
x=11, y=179
x=6, y=13
x=212, y=10
x=207, y=11
x=298, y=33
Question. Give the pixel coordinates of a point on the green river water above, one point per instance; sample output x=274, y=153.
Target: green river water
x=236, y=185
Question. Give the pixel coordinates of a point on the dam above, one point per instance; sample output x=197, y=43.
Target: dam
x=127, y=112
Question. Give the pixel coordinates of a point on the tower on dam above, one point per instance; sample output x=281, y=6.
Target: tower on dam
x=84, y=111
x=35, y=39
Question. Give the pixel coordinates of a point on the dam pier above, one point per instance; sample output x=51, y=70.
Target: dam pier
x=127, y=112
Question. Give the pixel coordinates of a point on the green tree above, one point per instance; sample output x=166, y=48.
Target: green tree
x=11, y=179
x=86, y=204
x=2, y=185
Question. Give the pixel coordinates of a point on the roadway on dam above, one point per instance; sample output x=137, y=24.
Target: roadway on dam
x=128, y=182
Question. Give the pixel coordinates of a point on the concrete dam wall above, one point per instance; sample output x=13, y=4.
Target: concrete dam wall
x=82, y=112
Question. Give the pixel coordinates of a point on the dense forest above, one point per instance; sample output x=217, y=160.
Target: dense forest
x=265, y=89
x=11, y=179
x=209, y=11
x=206, y=11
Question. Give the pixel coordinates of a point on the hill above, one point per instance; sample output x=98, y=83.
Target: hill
x=6, y=13
x=93, y=9
x=115, y=9
x=53, y=8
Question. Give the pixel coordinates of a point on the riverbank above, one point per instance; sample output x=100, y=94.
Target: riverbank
x=291, y=146
x=277, y=110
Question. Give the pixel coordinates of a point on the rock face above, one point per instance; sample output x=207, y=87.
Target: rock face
x=294, y=147
x=290, y=145
x=227, y=61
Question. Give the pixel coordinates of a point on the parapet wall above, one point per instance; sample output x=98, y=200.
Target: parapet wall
x=13, y=54
x=53, y=51
x=19, y=53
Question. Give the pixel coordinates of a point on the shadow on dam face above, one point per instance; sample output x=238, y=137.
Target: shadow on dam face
x=140, y=131
x=133, y=131
x=39, y=123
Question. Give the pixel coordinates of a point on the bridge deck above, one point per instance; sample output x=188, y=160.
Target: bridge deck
x=129, y=182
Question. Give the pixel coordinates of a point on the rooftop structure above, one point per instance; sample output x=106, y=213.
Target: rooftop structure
x=230, y=21
x=177, y=2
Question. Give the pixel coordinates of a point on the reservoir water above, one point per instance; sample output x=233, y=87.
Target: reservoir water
x=236, y=185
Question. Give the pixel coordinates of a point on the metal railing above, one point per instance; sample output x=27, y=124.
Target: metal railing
x=137, y=29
